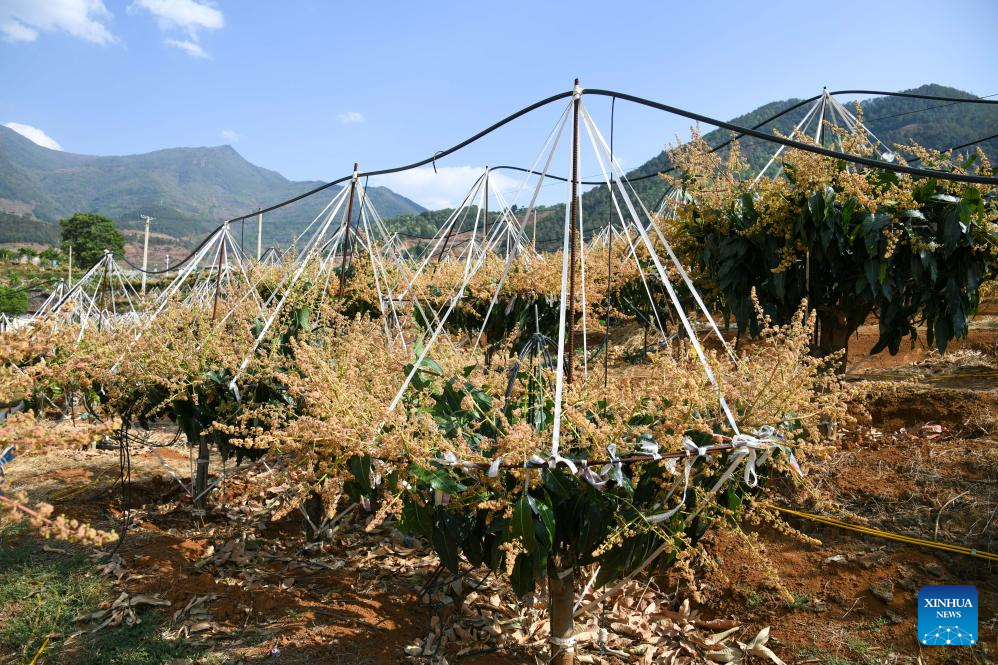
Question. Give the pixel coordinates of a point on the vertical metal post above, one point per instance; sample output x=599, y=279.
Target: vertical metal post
x=573, y=236
x=145, y=252
x=259, y=232
x=346, y=235
x=218, y=269
x=104, y=283
x=167, y=261
x=485, y=231
x=69, y=277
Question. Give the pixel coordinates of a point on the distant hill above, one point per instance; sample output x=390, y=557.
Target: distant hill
x=187, y=190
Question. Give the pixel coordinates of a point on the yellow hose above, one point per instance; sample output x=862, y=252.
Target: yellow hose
x=947, y=547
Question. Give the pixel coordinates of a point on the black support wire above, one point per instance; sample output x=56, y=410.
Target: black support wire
x=429, y=160
x=738, y=130
x=807, y=147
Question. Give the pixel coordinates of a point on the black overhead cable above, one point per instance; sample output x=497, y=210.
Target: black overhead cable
x=638, y=100
x=806, y=147
x=927, y=108
x=601, y=182
x=960, y=147
x=740, y=131
x=437, y=155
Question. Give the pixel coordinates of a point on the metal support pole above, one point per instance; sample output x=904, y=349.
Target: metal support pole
x=485, y=231
x=69, y=278
x=145, y=252
x=104, y=284
x=346, y=235
x=259, y=232
x=573, y=235
x=218, y=269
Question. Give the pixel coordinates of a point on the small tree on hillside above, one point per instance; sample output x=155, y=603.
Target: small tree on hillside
x=911, y=251
x=90, y=234
x=13, y=300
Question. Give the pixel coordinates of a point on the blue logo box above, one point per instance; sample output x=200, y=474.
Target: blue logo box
x=947, y=614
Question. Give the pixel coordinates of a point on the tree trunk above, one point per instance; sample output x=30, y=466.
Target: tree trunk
x=834, y=329
x=315, y=512
x=561, y=603
x=201, y=473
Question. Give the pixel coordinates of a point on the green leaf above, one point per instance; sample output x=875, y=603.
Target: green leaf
x=446, y=548
x=522, y=579
x=416, y=520
x=449, y=531
x=543, y=510
x=522, y=525
x=360, y=467
x=438, y=479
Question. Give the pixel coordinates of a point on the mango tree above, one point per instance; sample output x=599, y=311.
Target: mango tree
x=910, y=251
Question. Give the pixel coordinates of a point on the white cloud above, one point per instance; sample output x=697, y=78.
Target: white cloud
x=21, y=20
x=351, y=117
x=187, y=16
x=35, y=135
x=192, y=49
x=229, y=135
x=447, y=187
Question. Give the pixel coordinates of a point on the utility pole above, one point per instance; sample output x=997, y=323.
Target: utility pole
x=259, y=232
x=145, y=251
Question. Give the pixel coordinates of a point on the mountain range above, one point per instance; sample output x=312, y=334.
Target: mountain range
x=188, y=190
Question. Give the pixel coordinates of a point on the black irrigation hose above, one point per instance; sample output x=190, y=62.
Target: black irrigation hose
x=915, y=95
x=921, y=110
x=655, y=174
x=30, y=287
x=741, y=131
x=429, y=160
x=177, y=265
x=807, y=147
x=960, y=147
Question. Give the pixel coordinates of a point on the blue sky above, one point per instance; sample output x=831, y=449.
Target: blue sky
x=307, y=88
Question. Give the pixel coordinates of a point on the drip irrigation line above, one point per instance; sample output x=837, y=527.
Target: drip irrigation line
x=637, y=458
x=921, y=542
x=740, y=131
